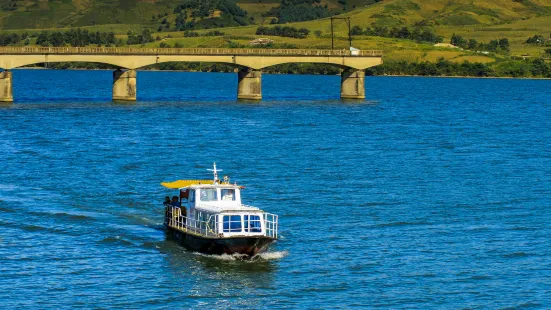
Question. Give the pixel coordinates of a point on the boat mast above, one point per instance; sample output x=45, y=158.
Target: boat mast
x=215, y=172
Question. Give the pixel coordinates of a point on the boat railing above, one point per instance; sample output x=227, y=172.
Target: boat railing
x=271, y=223
x=175, y=219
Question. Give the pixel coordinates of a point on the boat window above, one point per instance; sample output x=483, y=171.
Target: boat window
x=227, y=194
x=191, y=196
x=208, y=194
x=252, y=223
x=232, y=223
x=184, y=194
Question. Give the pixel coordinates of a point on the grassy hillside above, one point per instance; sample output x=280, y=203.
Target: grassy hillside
x=479, y=19
x=488, y=20
x=39, y=14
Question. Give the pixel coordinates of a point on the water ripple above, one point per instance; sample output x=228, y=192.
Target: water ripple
x=433, y=193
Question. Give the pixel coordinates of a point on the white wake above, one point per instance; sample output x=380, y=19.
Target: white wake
x=242, y=257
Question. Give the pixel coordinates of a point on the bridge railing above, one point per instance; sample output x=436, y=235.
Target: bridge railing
x=184, y=51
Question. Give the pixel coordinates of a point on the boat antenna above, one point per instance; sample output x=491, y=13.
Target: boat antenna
x=215, y=172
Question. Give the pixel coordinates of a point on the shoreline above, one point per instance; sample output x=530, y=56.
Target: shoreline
x=465, y=77
x=386, y=75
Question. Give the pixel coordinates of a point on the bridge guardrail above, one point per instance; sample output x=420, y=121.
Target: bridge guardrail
x=184, y=51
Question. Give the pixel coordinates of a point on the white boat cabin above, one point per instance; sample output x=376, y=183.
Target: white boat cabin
x=221, y=206
x=214, y=208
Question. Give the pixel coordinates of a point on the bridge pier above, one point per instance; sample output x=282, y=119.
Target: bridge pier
x=249, y=84
x=352, y=84
x=6, y=94
x=124, y=85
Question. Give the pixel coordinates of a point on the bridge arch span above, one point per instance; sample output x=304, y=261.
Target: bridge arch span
x=260, y=62
x=11, y=62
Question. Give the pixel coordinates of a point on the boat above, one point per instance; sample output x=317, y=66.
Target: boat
x=209, y=217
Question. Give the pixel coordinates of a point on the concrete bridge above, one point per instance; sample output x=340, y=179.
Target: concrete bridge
x=250, y=62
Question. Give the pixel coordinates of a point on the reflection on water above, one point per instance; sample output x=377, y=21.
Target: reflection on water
x=234, y=264
x=223, y=278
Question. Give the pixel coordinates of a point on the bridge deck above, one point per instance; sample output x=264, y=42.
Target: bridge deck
x=183, y=51
x=133, y=58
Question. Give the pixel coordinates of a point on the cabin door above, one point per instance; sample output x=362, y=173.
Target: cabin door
x=191, y=203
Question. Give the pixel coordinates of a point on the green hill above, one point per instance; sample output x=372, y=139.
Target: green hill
x=493, y=31
x=38, y=14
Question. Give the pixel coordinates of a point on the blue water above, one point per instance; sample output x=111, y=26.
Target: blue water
x=432, y=193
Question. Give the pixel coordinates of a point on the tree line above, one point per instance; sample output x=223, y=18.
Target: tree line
x=12, y=38
x=292, y=68
x=75, y=37
x=416, y=34
x=538, y=39
x=202, y=12
x=82, y=37
x=201, y=8
x=212, y=33
x=497, y=46
x=285, y=31
x=524, y=68
x=298, y=10
x=513, y=68
x=145, y=37
x=10, y=6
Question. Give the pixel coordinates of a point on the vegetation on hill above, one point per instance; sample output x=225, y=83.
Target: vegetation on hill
x=536, y=68
x=498, y=46
x=523, y=68
x=298, y=10
x=284, y=31
x=302, y=10
x=493, y=34
x=202, y=14
x=12, y=39
x=143, y=38
x=417, y=34
x=40, y=14
x=449, y=13
x=539, y=40
x=37, y=14
x=9, y=6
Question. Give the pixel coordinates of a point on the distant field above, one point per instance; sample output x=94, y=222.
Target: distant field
x=481, y=59
x=256, y=9
x=64, y=13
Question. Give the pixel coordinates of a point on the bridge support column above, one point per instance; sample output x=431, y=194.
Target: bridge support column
x=352, y=84
x=5, y=87
x=124, y=85
x=249, y=84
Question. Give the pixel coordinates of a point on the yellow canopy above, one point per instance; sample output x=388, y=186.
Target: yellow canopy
x=184, y=183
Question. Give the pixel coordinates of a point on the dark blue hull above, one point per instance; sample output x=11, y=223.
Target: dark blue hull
x=241, y=245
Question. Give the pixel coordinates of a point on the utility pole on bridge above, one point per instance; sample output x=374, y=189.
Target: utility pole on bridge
x=347, y=20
